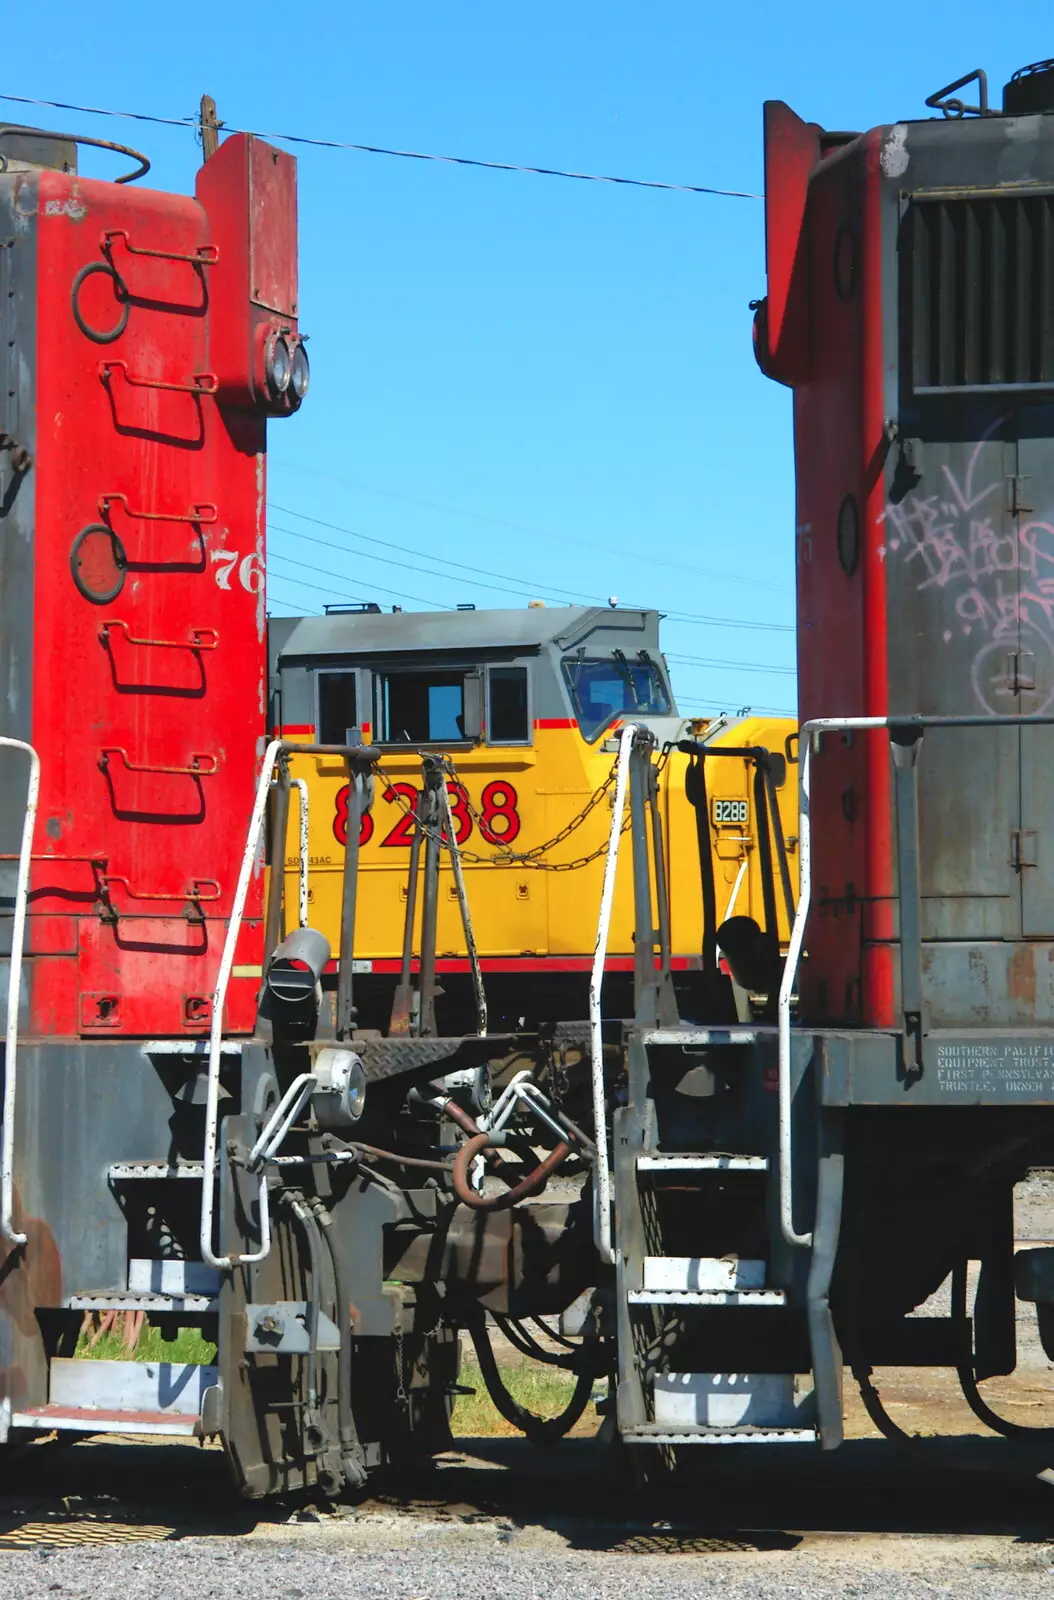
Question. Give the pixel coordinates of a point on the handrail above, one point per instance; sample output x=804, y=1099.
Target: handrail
x=797, y=934
x=300, y=785
x=602, y=1188
x=14, y=988
x=219, y=1000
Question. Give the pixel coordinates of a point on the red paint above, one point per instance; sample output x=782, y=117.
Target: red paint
x=555, y=722
x=160, y=437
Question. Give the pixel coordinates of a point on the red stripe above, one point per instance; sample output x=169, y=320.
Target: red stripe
x=555, y=722
x=528, y=964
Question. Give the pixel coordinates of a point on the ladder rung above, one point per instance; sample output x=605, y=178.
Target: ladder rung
x=111, y=1300
x=680, y=1273
x=660, y=1433
x=706, y=1297
x=697, y=1036
x=156, y=1169
x=713, y=1162
x=86, y=1419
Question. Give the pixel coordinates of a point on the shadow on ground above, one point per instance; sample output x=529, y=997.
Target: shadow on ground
x=100, y=1492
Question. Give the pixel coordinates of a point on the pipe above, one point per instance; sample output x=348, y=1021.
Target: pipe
x=352, y=1459
x=534, y=1180
x=14, y=992
x=309, y=1227
x=282, y=1118
x=602, y=1190
x=540, y=1430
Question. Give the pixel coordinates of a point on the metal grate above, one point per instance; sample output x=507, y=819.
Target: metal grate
x=981, y=300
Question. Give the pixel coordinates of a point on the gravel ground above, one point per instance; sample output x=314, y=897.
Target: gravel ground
x=104, y=1520
x=439, y=1564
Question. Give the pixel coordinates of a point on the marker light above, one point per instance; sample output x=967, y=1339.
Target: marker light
x=300, y=376
x=278, y=365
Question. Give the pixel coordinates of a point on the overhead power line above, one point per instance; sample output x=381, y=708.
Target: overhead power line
x=384, y=150
x=740, y=666
x=324, y=572
x=522, y=586
x=644, y=553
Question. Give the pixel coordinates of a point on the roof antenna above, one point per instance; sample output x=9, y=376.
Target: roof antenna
x=612, y=601
x=208, y=127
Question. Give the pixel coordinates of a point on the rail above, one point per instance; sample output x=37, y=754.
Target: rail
x=905, y=734
x=14, y=994
x=300, y=785
x=602, y=1187
x=274, y=752
x=219, y=1001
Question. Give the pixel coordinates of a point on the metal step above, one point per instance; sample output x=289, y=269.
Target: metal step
x=690, y=1273
x=121, y=1171
x=706, y=1297
x=131, y=1397
x=698, y=1036
x=129, y=1300
x=660, y=1433
x=147, y=1276
x=714, y=1162
x=87, y=1419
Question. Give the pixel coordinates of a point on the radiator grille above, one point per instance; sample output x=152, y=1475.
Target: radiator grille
x=981, y=300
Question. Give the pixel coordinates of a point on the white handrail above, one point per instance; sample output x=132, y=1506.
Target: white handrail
x=794, y=949
x=602, y=1189
x=219, y=1000
x=282, y=1118
x=300, y=785
x=734, y=896
x=14, y=991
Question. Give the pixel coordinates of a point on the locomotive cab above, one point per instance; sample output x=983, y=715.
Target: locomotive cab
x=527, y=707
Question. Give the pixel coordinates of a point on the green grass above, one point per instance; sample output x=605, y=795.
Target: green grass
x=186, y=1348
x=543, y=1390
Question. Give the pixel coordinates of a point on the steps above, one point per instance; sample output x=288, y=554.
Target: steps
x=123, y=1397
x=693, y=1236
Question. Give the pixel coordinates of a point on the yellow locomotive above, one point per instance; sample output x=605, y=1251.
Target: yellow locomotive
x=525, y=706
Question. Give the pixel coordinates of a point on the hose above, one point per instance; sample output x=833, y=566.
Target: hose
x=352, y=1458
x=540, y=1430
x=309, y=1228
x=531, y=1184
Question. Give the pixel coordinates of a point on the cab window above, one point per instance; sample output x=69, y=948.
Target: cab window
x=508, y=713
x=337, y=710
x=615, y=686
x=427, y=707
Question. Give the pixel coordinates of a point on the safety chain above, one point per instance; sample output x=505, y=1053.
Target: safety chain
x=530, y=860
x=503, y=856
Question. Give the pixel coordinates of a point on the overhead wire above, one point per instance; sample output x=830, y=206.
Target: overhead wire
x=740, y=666
x=643, y=554
x=191, y=122
x=342, y=577
x=522, y=587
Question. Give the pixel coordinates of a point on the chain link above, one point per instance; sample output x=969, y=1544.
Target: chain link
x=533, y=859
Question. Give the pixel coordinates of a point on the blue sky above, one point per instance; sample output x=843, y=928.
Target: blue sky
x=549, y=383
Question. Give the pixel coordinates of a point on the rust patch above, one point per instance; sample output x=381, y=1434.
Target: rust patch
x=1021, y=975
x=30, y=1274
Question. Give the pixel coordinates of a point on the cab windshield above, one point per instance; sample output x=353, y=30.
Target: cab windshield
x=614, y=686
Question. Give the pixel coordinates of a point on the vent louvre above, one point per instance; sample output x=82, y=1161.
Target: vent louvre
x=982, y=293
